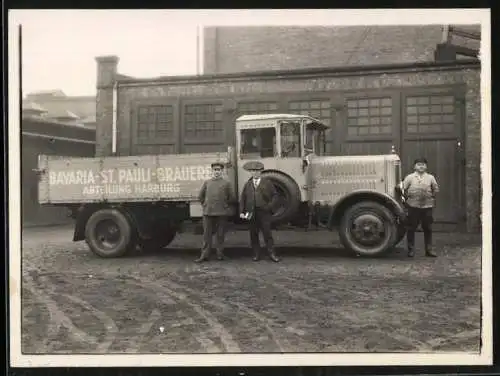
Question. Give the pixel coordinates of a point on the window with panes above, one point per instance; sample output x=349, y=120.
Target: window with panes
x=369, y=117
x=430, y=114
x=252, y=108
x=155, y=122
x=203, y=121
x=318, y=109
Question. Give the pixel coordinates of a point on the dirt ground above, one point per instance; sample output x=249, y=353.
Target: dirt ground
x=318, y=299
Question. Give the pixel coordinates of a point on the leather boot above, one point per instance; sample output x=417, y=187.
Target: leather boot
x=203, y=257
x=272, y=256
x=220, y=255
x=429, y=252
x=256, y=254
x=411, y=251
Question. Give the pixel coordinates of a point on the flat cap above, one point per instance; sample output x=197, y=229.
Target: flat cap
x=420, y=160
x=253, y=166
x=217, y=164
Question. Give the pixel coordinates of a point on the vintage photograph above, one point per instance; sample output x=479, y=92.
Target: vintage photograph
x=191, y=185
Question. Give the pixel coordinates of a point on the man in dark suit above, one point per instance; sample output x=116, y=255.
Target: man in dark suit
x=216, y=196
x=258, y=199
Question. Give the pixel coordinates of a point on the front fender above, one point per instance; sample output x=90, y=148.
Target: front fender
x=396, y=206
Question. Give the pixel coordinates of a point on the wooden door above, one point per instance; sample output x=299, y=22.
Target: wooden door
x=432, y=128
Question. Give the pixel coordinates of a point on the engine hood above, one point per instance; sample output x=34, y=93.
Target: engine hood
x=332, y=177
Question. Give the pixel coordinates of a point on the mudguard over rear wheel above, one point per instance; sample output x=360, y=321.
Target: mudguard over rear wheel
x=109, y=233
x=368, y=229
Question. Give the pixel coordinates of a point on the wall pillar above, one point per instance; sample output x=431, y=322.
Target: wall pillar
x=107, y=69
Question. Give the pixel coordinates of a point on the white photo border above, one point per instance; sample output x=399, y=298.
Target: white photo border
x=267, y=17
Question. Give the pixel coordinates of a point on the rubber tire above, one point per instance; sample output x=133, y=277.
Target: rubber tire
x=126, y=243
x=292, y=192
x=380, y=210
x=157, y=243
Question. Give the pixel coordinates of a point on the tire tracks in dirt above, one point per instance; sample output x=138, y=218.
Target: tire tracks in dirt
x=109, y=324
x=352, y=319
x=226, y=338
x=163, y=293
x=281, y=342
x=58, y=317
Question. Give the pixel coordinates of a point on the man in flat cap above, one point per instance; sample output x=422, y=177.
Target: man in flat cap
x=420, y=189
x=216, y=197
x=256, y=205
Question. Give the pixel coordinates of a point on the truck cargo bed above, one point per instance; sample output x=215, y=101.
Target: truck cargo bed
x=125, y=179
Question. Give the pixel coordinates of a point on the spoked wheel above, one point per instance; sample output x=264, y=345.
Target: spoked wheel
x=109, y=233
x=368, y=229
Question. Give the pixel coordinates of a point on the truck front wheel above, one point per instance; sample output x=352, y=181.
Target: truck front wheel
x=368, y=229
x=109, y=233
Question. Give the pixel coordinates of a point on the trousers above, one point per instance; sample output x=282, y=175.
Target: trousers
x=261, y=222
x=416, y=217
x=213, y=225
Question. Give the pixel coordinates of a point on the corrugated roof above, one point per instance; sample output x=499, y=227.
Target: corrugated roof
x=62, y=114
x=52, y=93
x=33, y=107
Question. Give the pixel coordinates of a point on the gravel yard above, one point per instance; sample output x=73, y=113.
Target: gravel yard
x=318, y=299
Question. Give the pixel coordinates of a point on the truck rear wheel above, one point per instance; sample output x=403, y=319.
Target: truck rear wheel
x=158, y=241
x=289, y=197
x=109, y=233
x=368, y=229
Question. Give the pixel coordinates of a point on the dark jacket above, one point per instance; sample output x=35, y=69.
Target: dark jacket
x=263, y=198
x=216, y=197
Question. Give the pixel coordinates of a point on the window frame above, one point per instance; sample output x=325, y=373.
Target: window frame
x=187, y=140
x=257, y=129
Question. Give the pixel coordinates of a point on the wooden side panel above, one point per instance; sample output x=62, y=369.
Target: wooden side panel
x=126, y=179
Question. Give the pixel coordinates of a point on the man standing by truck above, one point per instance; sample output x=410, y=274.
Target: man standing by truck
x=420, y=189
x=257, y=202
x=216, y=197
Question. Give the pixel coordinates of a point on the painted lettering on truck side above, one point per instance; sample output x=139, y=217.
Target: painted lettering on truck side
x=129, y=181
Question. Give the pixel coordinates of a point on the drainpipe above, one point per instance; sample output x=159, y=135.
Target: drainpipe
x=115, y=112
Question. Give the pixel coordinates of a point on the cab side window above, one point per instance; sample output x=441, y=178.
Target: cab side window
x=290, y=139
x=258, y=143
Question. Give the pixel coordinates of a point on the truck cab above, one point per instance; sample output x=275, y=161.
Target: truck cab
x=283, y=143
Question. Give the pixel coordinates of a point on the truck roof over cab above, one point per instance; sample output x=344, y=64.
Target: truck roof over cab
x=271, y=120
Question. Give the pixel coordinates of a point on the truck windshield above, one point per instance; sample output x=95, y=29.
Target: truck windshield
x=258, y=143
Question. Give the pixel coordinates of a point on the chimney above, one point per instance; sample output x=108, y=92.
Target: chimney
x=107, y=69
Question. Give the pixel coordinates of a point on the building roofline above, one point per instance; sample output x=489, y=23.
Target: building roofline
x=60, y=99
x=309, y=72
x=56, y=123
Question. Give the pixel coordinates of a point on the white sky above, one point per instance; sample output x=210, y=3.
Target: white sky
x=59, y=46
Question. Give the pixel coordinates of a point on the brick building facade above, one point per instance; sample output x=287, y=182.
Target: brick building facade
x=426, y=108
x=232, y=49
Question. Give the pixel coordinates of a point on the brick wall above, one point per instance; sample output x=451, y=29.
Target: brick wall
x=246, y=49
